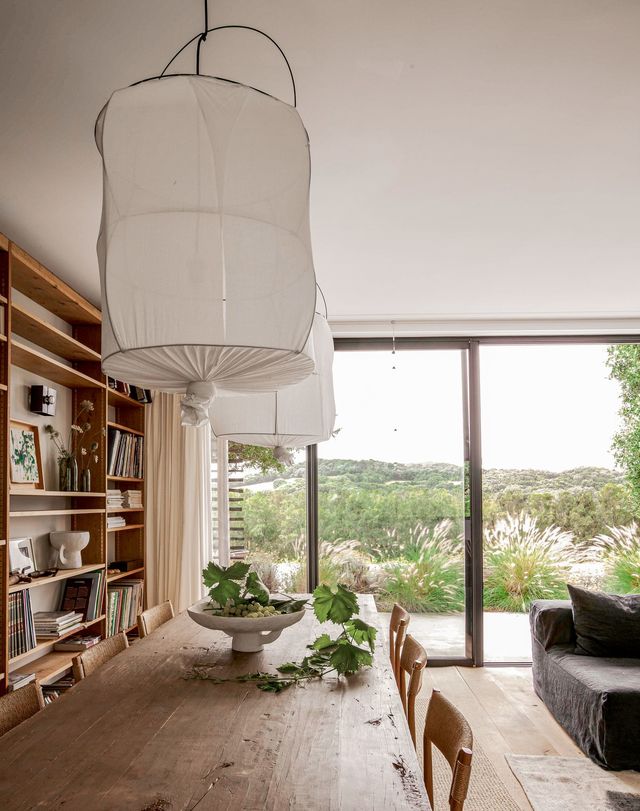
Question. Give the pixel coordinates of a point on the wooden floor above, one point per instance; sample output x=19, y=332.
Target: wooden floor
x=506, y=716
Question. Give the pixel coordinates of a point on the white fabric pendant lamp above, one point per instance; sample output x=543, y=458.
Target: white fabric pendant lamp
x=205, y=253
x=293, y=417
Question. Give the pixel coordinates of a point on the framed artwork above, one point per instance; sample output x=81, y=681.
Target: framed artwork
x=24, y=456
x=21, y=557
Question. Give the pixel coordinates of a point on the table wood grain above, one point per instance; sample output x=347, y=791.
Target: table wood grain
x=136, y=735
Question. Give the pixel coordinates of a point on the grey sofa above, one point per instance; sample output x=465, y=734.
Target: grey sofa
x=596, y=699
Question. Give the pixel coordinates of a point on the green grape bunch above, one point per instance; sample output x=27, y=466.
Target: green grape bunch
x=236, y=591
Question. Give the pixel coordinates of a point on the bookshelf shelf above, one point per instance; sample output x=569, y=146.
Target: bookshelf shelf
x=67, y=354
x=116, y=510
x=117, y=398
x=27, y=358
x=125, y=428
x=35, y=513
x=44, y=644
x=43, y=287
x=65, y=574
x=124, y=479
x=122, y=575
x=55, y=494
x=48, y=667
x=30, y=326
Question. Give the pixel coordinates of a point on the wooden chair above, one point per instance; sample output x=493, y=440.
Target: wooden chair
x=19, y=705
x=397, y=630
x=413, y=660
x=447, y=729
x=91, y=659
x=154, y=617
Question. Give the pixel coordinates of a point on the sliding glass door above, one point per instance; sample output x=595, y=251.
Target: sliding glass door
x=393, y=508
x=556, y=508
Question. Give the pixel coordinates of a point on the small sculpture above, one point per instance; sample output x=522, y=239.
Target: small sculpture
x=69, y=546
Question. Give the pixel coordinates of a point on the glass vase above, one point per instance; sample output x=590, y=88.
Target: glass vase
x=68, y=474
x=85, y=481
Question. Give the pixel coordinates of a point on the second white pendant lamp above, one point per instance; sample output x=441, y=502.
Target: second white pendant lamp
x=205, y=254
x=293, y=417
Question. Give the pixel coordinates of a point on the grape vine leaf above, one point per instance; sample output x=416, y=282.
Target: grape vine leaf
x=220, y=581
x=348, y=658
x=361, y=633
x=322, y=642
x=256, y=588
x=338, y=606
x=288, y=606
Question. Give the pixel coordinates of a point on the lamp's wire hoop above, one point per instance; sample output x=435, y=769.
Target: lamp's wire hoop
x=203, y=36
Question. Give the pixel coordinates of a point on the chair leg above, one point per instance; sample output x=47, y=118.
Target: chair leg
x=428, y=770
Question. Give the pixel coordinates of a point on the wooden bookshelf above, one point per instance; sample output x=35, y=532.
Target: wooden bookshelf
x=121, y=575
x=68, y=356
x=63, y=574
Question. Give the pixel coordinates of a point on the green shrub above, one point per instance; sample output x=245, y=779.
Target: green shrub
x=341, y=562
x=523, y=562
x=620, y=550
x=431, y=577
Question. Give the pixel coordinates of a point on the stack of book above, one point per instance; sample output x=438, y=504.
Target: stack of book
x=52, y=624
x=115, y=500
x=124, y=603
x=22, y=635
x=83, y=594
x=115, y=521
x=18, y=680
x=133, y=499
x=125, y=457
x=52, y=691
x=78, y=643
x=135, y=392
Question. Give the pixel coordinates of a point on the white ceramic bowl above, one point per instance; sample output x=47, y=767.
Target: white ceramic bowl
x=249, y=635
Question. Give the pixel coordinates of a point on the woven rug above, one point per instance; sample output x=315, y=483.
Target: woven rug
x=574, y=784
x=487, y=792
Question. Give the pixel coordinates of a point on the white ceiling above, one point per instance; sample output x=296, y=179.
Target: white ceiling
x=472, y=161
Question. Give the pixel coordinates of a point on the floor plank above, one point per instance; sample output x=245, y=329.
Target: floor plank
x=507, y=717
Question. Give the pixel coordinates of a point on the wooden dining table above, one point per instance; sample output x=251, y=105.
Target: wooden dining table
x=138, y=736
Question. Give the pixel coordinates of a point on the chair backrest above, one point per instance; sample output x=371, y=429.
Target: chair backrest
x=91, y=659
x=447, y=729
x=413, y=661
x=154, y=617
x=19, y=705
x=397, y=630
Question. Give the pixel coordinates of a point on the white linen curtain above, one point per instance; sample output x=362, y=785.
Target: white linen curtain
x=178, y=510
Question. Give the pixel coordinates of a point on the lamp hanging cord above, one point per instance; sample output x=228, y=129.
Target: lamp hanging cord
x=203, y=35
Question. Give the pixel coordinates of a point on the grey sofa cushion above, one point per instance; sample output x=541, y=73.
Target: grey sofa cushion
x=606, y=624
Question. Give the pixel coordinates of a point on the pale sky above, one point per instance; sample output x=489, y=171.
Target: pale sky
x=547, y=407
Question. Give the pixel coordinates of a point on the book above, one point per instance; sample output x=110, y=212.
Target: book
x=125, y=454
x=124, y=604
x=82, y=594
x=22, y=636
x=18, y=680
x=79, y=642
x=52, y=624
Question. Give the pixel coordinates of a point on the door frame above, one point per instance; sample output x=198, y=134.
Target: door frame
x=474, y=611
